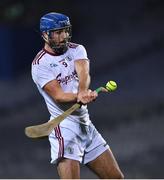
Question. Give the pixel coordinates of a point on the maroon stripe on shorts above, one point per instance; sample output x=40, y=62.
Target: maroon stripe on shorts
x=60, y=140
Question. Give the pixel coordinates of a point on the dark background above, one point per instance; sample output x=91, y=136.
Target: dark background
x=124, y=41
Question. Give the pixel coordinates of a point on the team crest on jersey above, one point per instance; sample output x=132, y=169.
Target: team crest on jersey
x=66, y=79
x=70, y=149
x=67, y=58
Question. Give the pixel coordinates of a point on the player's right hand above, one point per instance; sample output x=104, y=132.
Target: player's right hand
x=86, y=96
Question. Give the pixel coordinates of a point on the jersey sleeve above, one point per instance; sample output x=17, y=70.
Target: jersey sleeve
x=80, y=53
x=42, y=74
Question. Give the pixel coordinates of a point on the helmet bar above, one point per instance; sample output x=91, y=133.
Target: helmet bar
x=56, y=29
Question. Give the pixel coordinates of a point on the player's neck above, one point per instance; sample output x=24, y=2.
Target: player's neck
x=49, y=49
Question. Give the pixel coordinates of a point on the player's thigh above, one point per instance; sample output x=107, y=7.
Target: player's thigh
x=68, y=169
x=105, y=166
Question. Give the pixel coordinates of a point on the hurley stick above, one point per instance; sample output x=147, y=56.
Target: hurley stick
x=43, y=130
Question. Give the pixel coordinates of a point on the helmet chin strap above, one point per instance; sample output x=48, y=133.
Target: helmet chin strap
x=59, y=50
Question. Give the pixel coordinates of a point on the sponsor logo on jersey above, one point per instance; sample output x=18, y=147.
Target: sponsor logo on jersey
x=66, y=79
x=53, y=65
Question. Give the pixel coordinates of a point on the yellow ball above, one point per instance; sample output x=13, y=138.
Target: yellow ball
x=111, y=86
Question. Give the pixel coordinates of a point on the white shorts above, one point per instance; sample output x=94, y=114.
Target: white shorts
x=77, y=142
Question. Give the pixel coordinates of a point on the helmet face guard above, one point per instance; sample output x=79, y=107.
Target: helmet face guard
x=53, y=22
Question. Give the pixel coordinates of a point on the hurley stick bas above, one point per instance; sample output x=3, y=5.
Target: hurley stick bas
x=43, y=130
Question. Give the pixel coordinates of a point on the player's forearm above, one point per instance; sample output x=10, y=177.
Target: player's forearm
x=82, y=69
x=65, y=97
x=54, y=90
x=84, y=82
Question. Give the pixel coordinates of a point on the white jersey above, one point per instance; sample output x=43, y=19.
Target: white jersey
x=47, y=67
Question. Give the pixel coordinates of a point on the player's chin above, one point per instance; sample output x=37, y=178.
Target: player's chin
x=63, y=44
